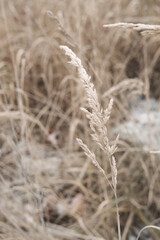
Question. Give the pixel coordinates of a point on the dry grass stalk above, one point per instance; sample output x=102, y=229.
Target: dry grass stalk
x=146, y=28
x=98, y=119
x=146, y=227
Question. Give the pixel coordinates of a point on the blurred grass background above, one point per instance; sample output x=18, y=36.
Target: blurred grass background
x=42, y=170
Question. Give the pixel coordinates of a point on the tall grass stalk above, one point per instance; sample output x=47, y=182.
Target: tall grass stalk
x=98, y=118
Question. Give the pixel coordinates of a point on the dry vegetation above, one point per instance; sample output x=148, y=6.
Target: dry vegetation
x=49, y=189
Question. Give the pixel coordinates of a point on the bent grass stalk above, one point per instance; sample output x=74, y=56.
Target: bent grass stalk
x=98, y=118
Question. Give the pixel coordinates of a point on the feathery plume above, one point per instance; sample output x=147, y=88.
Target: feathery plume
x=98, y=118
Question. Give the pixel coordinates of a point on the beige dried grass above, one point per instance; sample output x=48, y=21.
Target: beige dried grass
x=140, y=27
x=98, y=119
x=51, y=104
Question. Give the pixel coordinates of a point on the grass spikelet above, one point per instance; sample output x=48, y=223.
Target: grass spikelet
x=90, y=155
